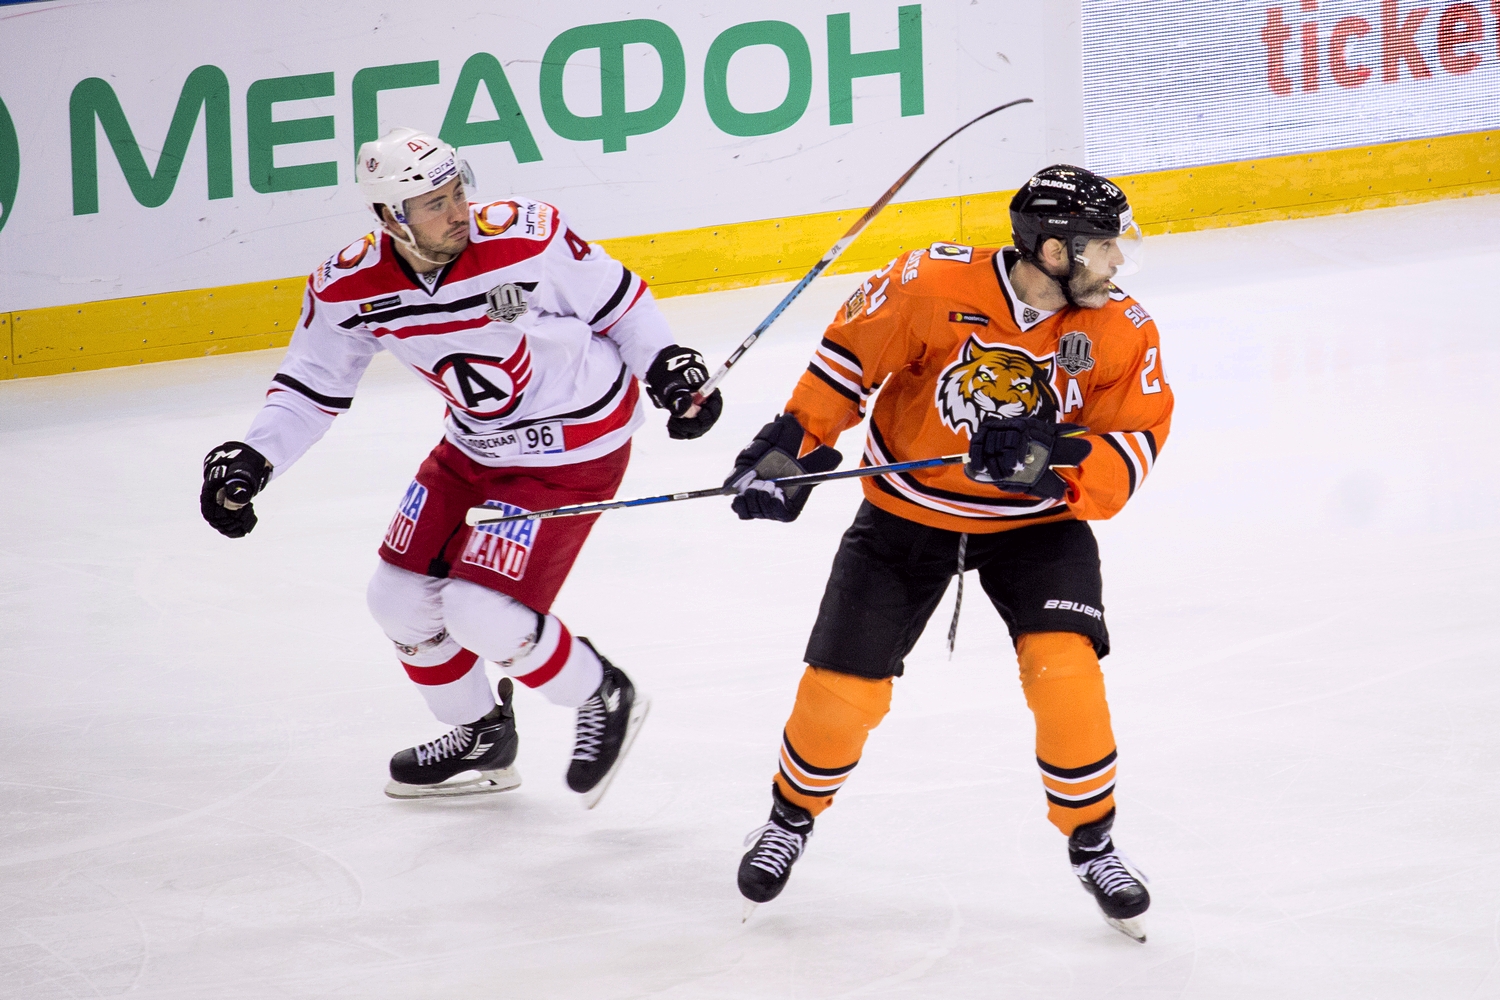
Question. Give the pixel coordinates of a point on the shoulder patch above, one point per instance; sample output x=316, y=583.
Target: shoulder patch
x=951, y=251
x=514, y=219
x=495, y=218
x=362, y=253
x=856, y=303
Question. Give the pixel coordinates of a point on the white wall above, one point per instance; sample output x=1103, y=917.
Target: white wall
x=689, y=172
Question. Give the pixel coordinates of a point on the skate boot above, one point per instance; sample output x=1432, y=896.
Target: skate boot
x=605, y=727
x=1109, y=878
x=487, y=745
x=765, y=868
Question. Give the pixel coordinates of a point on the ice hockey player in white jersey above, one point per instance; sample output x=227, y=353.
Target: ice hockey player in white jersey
x=535, y=339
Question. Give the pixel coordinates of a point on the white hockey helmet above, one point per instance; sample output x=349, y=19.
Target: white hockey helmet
x=405, y=163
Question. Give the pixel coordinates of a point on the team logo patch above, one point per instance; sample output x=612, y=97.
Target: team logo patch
x=951, y=251
x=502, y=548
x=994, y=380
x=507, y=302
x=963, y=317
x=352, y=255
x=484, y=387
x=856, y=303
x=404, y=524
x=1075, y=352
x=496, y=217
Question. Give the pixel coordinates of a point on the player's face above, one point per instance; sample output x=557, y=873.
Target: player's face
x=1089, y=282
x=440, y=219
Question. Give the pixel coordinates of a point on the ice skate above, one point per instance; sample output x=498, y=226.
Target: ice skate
x=606, y=726
x=476, y=759
x=1117, y=887
x=765, y=868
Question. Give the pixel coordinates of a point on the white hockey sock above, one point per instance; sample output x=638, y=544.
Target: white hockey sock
x=537, y=650
x=562, y=669
x=451, y=679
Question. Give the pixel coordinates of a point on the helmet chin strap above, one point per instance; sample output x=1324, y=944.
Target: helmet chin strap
x=408, y=239
x=1065, y=282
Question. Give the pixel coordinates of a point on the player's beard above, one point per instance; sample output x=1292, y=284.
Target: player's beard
x=452, y=244
x=1086, y=288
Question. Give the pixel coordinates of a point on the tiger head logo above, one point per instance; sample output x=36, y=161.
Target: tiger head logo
x=990, y=381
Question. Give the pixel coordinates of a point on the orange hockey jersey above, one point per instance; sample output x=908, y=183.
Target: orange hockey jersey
x=942, y=336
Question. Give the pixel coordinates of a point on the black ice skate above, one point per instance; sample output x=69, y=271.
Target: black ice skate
x=765, y=868
x=1108, y=877
x=606, y=726
x=487, y=746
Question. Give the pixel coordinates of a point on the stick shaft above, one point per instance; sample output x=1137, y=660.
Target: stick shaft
x=833, y=253
x=479, y=516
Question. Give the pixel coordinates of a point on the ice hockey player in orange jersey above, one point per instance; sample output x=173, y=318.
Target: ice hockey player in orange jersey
x=1033, y=362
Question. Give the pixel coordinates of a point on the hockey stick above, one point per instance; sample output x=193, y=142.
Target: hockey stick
x=828, y=258
x=480, y=516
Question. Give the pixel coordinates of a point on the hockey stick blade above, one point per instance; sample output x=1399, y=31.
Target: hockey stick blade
x=832, y=255
x=481, y=516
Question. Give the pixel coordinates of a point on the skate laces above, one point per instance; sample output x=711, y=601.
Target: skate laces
x=777, y=848
x=443, y=747
x=1111, y=873
x=592, y=716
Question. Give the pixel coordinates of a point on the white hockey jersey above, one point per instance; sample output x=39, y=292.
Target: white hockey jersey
x=532, y=336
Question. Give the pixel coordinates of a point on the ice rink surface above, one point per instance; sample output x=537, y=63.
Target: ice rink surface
x=1305, y=686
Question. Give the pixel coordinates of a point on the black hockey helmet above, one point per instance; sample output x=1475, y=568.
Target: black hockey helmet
x=1070, y=204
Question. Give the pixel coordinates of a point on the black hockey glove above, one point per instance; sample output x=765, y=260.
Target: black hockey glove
x=772, y=455
x=232, y=474
x=671, y=381
x=1018, y=454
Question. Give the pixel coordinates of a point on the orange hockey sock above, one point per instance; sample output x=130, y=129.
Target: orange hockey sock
x=824, y=737
x=1075, y=746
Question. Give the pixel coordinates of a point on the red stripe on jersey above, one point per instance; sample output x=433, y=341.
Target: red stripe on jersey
x=430, y=329
x=381, y=278
x=554, y=665
x=443, y=673
x=638, y=293
x=482, y=256
x=578, y=435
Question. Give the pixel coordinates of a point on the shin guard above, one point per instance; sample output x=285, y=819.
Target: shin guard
x=1075, y=746
x=826, y=733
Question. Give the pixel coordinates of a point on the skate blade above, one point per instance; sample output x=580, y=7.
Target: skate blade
x=750, y=906
x=1132, y=927
x=484, y=783
x=638, y=711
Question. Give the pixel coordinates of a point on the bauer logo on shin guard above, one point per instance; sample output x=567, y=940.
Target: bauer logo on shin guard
x=502, y=548
x=404, y=524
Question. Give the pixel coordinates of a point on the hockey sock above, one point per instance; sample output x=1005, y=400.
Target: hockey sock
x=1075, y=746
x=563, y=670
x=826, y=734
x=408, y=608
x=451, y=679
x=535, y=649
